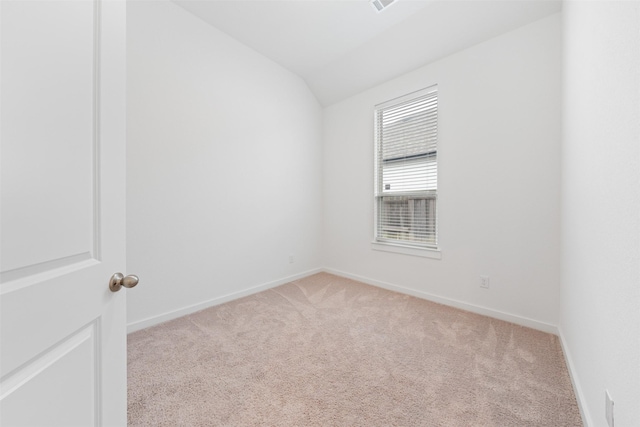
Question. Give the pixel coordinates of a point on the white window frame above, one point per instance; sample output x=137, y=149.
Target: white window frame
x=408, y=246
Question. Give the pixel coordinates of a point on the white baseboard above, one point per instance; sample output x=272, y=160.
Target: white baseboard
x=573, y=374
x=508, y=317
x=154, y=320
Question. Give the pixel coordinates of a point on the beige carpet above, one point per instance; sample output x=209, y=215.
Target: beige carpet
x=328, y=351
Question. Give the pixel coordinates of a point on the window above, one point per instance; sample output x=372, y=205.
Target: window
x=407, y=170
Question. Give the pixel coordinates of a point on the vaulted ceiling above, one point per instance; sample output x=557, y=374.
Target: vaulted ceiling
x=342, y=47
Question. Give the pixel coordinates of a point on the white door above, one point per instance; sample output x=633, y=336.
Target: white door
x=62, y=94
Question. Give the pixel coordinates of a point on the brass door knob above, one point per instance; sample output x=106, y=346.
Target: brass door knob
x=119, y=280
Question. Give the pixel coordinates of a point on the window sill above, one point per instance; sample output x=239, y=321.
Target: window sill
x=407, y=250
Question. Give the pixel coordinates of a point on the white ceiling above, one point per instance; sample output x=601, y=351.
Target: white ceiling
x=342, y=47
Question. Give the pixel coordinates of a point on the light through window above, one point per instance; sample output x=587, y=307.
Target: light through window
x=407, y=169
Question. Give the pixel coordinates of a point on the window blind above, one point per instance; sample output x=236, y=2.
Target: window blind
x=407, y=169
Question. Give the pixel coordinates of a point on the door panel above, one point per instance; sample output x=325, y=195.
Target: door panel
x=62, y=213
x=50, y=92
x=37, y=385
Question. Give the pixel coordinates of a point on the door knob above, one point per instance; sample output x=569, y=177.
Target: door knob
x=118, y=280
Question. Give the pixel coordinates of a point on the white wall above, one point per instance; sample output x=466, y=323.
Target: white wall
x=224, y=165
x=600, y=296
x=499, y=170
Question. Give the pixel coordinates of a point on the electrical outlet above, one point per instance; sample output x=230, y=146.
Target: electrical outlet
x=484, y=282
x=608, y=408
x=291, y=259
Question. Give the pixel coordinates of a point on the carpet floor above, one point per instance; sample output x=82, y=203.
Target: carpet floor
x=329, y=351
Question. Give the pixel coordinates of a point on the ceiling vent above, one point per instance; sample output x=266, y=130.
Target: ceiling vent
x=380, y=5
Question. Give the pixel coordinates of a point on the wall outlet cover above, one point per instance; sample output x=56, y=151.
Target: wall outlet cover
x=608, y=408
x=484, y=282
